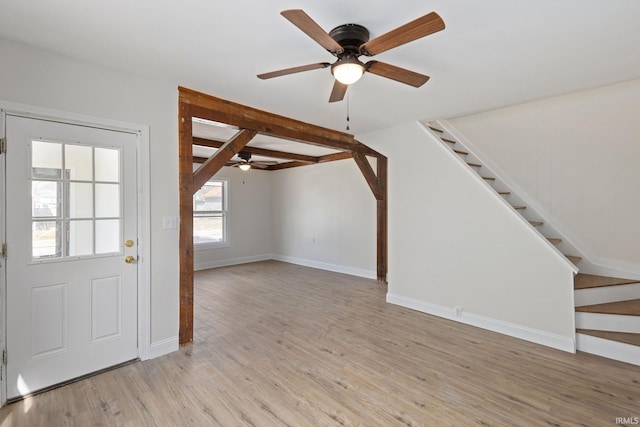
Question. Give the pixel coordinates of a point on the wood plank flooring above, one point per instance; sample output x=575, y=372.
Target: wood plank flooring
x=277, y=344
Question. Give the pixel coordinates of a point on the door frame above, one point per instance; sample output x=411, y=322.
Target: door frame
x=143, y=215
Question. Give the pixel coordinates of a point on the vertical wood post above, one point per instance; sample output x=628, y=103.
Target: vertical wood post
x=185, y=176
x=382, y=220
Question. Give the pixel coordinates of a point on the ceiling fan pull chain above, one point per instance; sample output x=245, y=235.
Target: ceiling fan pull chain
x=348, y=111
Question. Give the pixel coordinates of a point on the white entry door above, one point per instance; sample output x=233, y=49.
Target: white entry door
x=71, y=251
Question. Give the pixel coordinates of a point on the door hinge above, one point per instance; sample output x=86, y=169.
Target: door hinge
x=4, y=250
x=3, y=148
x=4, y=357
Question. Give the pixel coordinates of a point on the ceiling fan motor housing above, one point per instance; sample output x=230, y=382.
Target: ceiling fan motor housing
x=244, y=155
x=350, y=37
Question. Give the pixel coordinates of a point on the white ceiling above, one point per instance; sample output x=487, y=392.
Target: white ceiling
x=493, y=53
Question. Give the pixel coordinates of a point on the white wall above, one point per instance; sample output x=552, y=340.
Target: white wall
x=578, y=157
x=325, y=216
x=454, y=242
x=250, y=220
x=44, y=79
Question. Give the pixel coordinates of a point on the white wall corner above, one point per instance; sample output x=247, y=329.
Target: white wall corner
x=558, y=342
x=165, y=346
x=344, y=269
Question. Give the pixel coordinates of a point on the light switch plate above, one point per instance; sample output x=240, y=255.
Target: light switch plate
x=170, y=222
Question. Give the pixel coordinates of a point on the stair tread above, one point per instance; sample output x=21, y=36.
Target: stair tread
x=536, y=223
x=553, y=240
x=626, y=308
x=489, y=178
x=586, y=281
x=574, y=259
x=462, y=153
x=504, y=193
x=436, y=129
x=517, y=207
x=448, y=140
x=475, y=165
x=624, y=337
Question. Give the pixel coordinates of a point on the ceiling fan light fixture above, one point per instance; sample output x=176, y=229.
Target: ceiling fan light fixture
x=347, y=70
x=244, y=166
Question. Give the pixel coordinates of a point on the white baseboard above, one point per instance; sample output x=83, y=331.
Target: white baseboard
x=162, y=347
x=610, y=349
x=511, y=329
x=231, y=261
x=369, y=274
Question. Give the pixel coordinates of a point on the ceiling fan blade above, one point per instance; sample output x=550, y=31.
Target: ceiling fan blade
x=303, y=21
x=338, y=92
x=418, y=28
x=293, y=70
x=396, y=73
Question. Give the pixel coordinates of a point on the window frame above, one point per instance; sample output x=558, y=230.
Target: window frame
x=224, y=213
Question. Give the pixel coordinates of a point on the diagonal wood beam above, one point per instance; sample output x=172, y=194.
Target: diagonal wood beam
x=203, y=142
x=369, y=175
x=221, y=157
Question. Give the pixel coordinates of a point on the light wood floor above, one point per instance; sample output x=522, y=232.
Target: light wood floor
x=283, y=345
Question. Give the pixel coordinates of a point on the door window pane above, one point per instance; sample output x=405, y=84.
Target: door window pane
x=80, y=238
x=46, y=159
x=78, y=162
x=46, y=239
x=80, y=200
x=45, y=199
x=107, y=236
x=107, y=200
x=76, y=200
x=107, y=164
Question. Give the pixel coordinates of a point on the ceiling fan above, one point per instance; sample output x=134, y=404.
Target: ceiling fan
x=350, y=41
x=245, y=163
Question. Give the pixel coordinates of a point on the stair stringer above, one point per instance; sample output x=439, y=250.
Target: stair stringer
x=570, y=241
x=493, y=191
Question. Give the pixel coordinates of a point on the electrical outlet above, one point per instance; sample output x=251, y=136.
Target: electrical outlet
x=458, y=311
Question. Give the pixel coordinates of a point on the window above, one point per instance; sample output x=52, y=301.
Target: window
x=75, y=200
x=210, y=214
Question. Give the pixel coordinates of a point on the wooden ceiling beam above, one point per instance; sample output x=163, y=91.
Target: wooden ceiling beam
x=258, y=151
x=334, y=157
x=221, y=157
x=219, y=110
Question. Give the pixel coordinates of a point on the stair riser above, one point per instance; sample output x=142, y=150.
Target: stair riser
x=608, y=322
x=611, y=349
x=607, y=294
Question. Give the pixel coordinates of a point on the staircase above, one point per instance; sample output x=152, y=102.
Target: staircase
x=502, y=189
x=607, y=308
x=608, y=317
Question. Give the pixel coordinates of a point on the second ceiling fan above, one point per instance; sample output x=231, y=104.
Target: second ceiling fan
x=350, y=41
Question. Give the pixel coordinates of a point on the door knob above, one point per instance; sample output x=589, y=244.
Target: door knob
x=129, y=243
x=130, y=260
